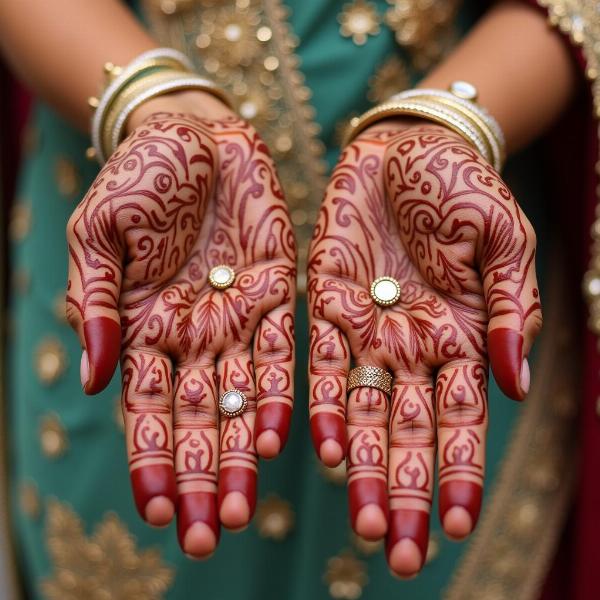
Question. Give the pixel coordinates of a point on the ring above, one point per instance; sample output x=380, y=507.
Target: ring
x=233, y=403
x=385, y=291
x=370, y=377
x=221, y=277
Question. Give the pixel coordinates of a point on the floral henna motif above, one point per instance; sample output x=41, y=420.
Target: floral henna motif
x=416, y=203
x=180, y=196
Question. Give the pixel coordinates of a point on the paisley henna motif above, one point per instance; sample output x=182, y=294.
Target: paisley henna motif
x=180, y=196
x=416, y=203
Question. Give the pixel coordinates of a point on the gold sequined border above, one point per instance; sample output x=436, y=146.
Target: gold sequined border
x=513, y=545
x=247, y=47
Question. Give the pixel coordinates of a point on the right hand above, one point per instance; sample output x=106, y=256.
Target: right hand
x=179, y=196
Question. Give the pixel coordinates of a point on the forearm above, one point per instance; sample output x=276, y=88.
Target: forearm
x=59, y=48
x=521, y=67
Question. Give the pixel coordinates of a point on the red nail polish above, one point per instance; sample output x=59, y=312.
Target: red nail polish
x=275, y=416
x=413, y=524
x=327, y=426
x=238, y=479
x=461, y=493
x=151, y=481
x=103, y=345
x=505, y=350
x=367, y=491
x=197, y=507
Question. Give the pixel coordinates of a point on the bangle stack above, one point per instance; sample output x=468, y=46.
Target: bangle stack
x=151, y=74
x=456, y=109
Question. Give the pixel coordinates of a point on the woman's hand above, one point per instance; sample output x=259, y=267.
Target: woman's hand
x=416, y=202
x=180, y=196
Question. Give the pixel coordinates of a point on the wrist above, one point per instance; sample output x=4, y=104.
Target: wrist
x=195, y=102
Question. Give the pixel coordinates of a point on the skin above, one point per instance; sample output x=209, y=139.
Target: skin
x=413, y=201
x=180, y=196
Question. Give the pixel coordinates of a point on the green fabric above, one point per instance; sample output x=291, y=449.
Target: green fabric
x=91, y=476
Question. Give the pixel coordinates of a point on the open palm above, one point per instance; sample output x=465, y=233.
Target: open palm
x=416, y=203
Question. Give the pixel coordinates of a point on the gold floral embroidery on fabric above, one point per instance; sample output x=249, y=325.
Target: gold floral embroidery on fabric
x=580, y=20
x=358, y=20
x=29, y=499
x=68, y=180
x=50, y=360
x=246, y=47
x=366, y=547
x=20, y=221
x=336, y=475
x=346, y=576
x=424, y=28
x=106, y=564
x=53, y=436
x=390, y=78
x=274, y=518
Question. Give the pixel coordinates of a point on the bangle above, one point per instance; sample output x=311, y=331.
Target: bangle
x=456, y=110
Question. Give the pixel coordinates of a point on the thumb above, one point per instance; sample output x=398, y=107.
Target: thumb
x=92, y=294
x=514, y=309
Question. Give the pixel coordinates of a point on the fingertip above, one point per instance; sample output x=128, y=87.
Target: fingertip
x=268, y=444
x=103, y=347
x=159, y=511
x=234, y=511
x=199, y=541
x=505, y=350
x=371, y=523
x=331, y=453
x=457, y=523
x=405, y=559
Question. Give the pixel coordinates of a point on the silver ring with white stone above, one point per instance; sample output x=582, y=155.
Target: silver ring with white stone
x=233, y=403
x=221, y=277
x=385, y=291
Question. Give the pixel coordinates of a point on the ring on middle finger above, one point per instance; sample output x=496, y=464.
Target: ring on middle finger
x=369, y=376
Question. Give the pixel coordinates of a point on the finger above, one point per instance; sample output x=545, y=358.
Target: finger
x=367, y=461
x=274, y=370
x=329, y=361
x=410, y=477
x=238, y=460
x=461, y=408
x=147, y=411
x=196, y=442
x=512, y=297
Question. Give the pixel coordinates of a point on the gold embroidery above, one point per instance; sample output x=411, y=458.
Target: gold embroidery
x=20, y=221
x=423, y=27
x=346, y=576
x=274, y=518
x=105, y=565
x=247, y=47
x=390, y=78
x=29, y=499
x=53, y=436
x=517, y=534
x=358, y=20
x=366, y=547
x=50, y=360
x=67, y=177
x=335, y=475
x=579, y=20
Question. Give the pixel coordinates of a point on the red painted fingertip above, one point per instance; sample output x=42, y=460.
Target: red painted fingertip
x=156, y=481
x=505, y=350
x=198, y=527
x=234, y=513
x=368, y=507
x=460, y=503
x=404, y=559
x=272, y=417
x=103, y=346
x=327, y=426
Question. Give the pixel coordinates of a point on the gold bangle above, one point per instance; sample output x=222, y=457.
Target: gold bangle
x=369, y=376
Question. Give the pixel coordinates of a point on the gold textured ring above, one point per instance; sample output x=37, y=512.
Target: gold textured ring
x=221, y=277
x=385, y=291
x=233, y=403
x=369, y=376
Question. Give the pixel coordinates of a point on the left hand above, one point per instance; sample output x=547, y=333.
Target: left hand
x=414, y=201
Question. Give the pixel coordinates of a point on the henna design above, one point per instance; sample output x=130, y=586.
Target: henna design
x=418, y=204
x=179, y=196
